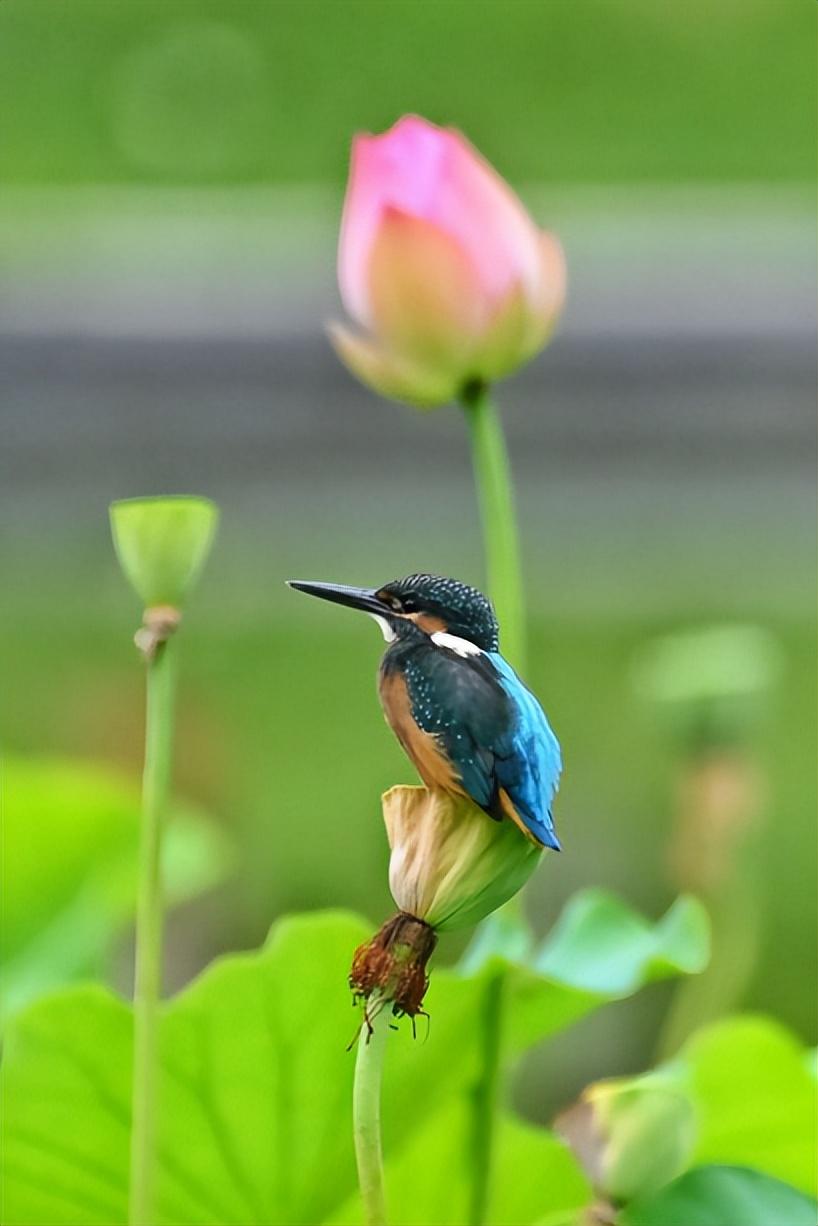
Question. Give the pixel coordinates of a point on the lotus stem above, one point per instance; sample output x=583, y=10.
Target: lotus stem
x=486, y=1094
x=148, y=959
x=366, y=1110
x=503, y=561
x=501, y=540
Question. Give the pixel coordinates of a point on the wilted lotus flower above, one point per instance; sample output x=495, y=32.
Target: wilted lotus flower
x=450, y=867
x=441, y=267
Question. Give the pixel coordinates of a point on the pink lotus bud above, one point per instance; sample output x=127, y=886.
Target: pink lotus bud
x=440, y=265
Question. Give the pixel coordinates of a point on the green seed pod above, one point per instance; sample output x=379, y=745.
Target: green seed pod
x=162, y=545
x=451, y=864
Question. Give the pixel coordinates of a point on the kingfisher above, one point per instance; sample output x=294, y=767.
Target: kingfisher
x=462, y=715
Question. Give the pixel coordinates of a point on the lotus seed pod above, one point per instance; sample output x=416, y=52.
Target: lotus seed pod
x=162, y=545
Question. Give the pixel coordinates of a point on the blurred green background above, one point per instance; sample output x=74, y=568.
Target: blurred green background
x=172, y=176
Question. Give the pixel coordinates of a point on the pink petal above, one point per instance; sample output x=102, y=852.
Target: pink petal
x=549, y=296
x=478, y=208
x=399, y=169
x=505, y=338
x=434, y=174
x=424, y=296
x=389, y=374
x=523, y=322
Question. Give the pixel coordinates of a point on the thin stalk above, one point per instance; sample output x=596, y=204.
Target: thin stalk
x=501, y=542
x=366, y=1115
x=501, y=547
x=486, y=1095
x=148, y=968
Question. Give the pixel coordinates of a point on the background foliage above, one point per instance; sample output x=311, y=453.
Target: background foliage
x=173, y=92
x=255, y=1089
x=171, y=183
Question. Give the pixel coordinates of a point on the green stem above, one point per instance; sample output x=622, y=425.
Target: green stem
x=495, y=492
x=501, y=546
x=148, y=969
x=501, y=537
x=486, y=1095
x=366, y=1114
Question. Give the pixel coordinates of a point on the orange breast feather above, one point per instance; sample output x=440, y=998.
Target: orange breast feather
x=421, y=747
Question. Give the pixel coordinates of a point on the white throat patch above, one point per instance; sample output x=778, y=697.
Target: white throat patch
x=386, y=630
x=461, y=647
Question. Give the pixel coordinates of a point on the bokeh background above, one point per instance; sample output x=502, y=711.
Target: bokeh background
x=172, y=176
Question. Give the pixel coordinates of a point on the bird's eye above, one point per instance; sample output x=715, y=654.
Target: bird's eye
x=392, y=602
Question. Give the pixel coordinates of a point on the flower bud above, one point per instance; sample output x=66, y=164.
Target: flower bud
x=441, y=267
x=451, y=864
x=632, y=1136
x=162, y=545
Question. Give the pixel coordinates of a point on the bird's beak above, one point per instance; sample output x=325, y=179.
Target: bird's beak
x=362, y=598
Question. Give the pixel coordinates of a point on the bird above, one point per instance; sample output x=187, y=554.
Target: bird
x=464, y=718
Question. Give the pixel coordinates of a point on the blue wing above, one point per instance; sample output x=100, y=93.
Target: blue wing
x=492, y=729
x=531, y=773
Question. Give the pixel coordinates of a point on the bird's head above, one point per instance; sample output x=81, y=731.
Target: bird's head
x=435, y=605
